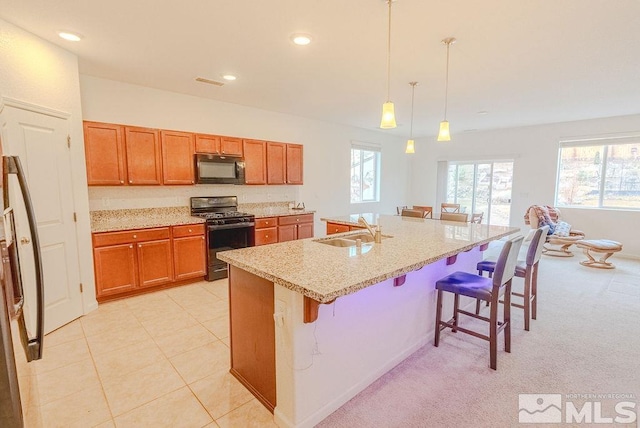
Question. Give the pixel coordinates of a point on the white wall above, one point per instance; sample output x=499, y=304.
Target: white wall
x=535, y=152
x=326, y=148
x=37, y=72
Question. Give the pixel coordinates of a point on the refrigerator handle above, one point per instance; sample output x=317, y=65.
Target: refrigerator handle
x=33, y=346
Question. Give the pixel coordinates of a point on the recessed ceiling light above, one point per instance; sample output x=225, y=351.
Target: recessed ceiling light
x=229, y=77
x=72, y=37
x=301, y=39
x=483, y=112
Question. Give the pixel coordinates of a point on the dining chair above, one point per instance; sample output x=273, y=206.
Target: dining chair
x=427, y=212
x=461, y=217
x=527, y=269
x=476, y=218
x=400, y=208
x=449, y=208
x=487, y=289
x=412, y=213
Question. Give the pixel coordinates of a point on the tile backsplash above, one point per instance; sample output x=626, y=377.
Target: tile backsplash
x=129, y=197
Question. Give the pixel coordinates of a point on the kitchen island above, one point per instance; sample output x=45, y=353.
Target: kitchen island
x=313, y=324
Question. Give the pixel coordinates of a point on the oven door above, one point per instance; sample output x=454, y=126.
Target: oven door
x=223, y=238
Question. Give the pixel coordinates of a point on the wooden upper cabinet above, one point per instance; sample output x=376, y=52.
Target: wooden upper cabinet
x=177, y=157
x=217, y=145
x=207, y=143
x=231, y=146
x=294, y=164
x=144, y=157
x=255, y=159
x=104, y=154
x=276, y=163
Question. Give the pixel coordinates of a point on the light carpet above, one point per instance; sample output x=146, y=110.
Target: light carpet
x=586, y=340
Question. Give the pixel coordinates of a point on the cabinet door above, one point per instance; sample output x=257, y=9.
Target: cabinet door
x=287, y=233
x=276, y=163
x=115, y=269
x=294, y=164
x=207, y=143
x=231, y=146
x=104, y=154
x=255, y=161
x=189, y=257
x=177, y=157
x=305, y=231
x=155, y=265
x=144, y=158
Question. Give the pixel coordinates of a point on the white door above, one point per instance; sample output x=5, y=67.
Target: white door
x=40, y=140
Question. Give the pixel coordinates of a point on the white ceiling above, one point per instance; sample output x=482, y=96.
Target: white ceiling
x=524, y=62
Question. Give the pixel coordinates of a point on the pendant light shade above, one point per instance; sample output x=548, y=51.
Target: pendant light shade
x=444, y=134
x=410, y=143
x=411, y=147
x=388, y=116
x=388, y=120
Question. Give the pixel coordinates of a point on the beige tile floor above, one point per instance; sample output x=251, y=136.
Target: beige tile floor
x=156, y=360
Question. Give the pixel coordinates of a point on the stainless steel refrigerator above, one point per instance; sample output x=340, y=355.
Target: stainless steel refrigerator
x=21, y=303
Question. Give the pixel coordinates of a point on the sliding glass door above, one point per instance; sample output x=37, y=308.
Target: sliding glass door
x=482, y=187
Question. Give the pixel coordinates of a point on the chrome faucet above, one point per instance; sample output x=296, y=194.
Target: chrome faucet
x=376, y=235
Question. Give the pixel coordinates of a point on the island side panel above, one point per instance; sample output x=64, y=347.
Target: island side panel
x=253, y=354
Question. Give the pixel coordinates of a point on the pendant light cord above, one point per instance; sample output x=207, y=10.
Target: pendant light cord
x=389, y=55
x=446, y=85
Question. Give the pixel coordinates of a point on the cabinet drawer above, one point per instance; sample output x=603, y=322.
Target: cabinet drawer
x=266, y=236
x=137, y=235
x=336, y=228
x=261, y=223
x=188, y=230
x=295, y=219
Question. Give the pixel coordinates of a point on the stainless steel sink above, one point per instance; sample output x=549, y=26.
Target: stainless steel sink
x=349, y=240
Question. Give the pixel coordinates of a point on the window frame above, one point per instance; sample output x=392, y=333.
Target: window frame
x=366, y=147
x=606, y=141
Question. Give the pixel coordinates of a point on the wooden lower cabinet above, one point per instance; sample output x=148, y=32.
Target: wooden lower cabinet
x=189, y=252
x=133, y=260
x=287, y=232
x=340, y=228
x=270, y=230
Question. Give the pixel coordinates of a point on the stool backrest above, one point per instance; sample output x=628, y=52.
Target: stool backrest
x=412, y=213
x=537, y=243
x=506, y=264
x=461, y=217
x=449, y=208
x=427, y=211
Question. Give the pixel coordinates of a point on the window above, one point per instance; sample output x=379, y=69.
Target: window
x=481, y=187
x=365, y=174
x=599, y=173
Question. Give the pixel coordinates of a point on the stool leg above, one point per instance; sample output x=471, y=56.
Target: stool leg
x=436, y=338
x=493, y=332
x=507, y=317
x=534, y=292
x=527, y=297
x=477, y=306
x=456, y=303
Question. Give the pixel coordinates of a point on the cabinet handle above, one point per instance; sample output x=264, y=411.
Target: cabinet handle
x=130, y=181
x=266, y=236
x=121, y=181
x=202, y=238
x=297, y=219
x=135, y=236
x=139, y=245
x=130, y=246
x=189, y=230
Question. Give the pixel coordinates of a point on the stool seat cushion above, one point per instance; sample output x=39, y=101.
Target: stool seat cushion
x=467, y=284
x=600, y=245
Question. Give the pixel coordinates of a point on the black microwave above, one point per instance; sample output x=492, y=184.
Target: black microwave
x=215, y=169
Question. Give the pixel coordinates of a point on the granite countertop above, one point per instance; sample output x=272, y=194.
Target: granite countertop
x=323, y=272
x=141, y=218
x=352, y=219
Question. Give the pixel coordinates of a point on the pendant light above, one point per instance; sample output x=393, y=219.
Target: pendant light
x=388, y=115
x=444, y=134
x=410, y=143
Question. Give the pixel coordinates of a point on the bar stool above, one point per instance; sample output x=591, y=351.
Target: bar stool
x=488, y=289
x=412, y=213
x=427, y=211
x=527, y=270
x=449, y=208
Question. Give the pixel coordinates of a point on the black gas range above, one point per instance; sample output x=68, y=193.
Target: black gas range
x=227, y=229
